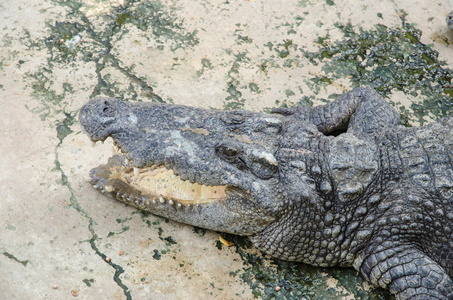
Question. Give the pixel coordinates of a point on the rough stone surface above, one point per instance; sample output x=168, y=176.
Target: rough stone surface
x=56, y=231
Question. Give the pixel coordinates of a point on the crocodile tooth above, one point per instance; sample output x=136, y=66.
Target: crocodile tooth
x=171, y=202
x=161, y=200
x=87, y=178
x=118, y=195
x=179, y=205
x=136, y=172
x=109, y=188
x=126, y=160
x=93, y=143
x=154, y=201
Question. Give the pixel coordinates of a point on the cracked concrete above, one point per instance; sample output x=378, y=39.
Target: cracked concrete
x=61, y=239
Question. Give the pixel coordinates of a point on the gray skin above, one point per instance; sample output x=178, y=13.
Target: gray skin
x=449, y=20
x=336, y=185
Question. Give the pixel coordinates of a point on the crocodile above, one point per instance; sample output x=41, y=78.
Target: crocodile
x=342, y=184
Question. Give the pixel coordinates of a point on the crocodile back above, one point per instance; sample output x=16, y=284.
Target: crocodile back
x=417, y=165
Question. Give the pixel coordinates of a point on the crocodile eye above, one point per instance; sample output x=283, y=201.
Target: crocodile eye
x=227, y=152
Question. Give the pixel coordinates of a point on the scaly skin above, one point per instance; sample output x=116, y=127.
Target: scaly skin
x=378, y=196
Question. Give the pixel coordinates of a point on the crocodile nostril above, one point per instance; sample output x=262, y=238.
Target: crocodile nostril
x=108, y=108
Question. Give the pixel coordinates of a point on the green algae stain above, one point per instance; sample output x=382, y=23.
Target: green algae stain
x=121, y=221
x=206, y=65
x=200, y=231
x=66, y=40
x=154, y=17
x=254, y=88
x=10, y=256
x=88, y=282
x=244, y=39
x=170, y=241
x=235, y=98
x=122, y=18
x=234, y=85
x=296, y=280
x=157, y=255
x=219, y=245
x=283, y=53
x=388, y=59
x=63, y=127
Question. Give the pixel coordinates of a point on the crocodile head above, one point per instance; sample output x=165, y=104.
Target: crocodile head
x=219, y=170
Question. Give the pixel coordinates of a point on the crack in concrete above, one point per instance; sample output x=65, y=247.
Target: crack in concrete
x=104, y=38
x=63, y=128
x=118, y=269
x=76, y=205
x=136, y=79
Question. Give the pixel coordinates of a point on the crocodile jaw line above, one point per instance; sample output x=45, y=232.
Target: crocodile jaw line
x=158, y=182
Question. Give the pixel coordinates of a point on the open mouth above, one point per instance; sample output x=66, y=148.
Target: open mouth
x=160, y=182
x=150, y=185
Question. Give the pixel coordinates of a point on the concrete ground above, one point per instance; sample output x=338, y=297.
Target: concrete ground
x=59, y=238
